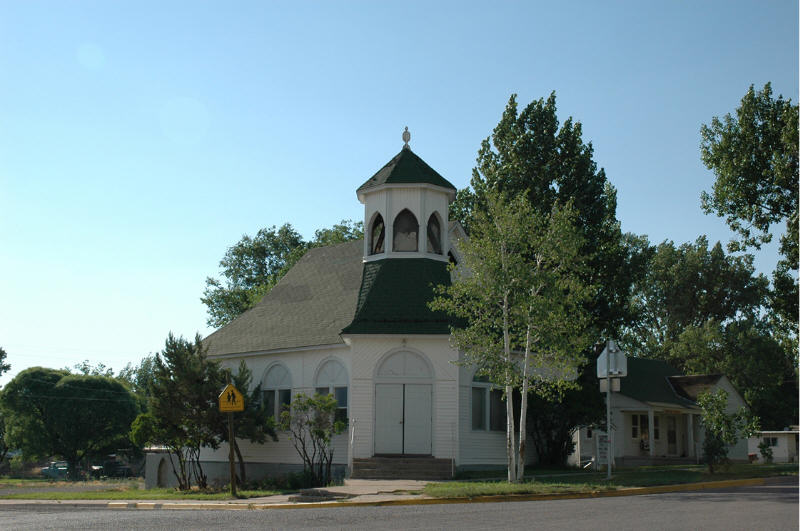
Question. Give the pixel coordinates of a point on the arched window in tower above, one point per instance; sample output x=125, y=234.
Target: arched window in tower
x=377, y=234
x=434, y=235
x=405, y=232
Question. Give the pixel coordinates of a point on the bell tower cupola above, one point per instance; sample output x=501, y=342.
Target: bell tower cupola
x=405, y=209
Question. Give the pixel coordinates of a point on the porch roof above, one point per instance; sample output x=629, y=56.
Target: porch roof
x=649, y=381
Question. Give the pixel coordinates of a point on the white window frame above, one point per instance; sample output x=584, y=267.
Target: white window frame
x=324, y=385
x=276, y=388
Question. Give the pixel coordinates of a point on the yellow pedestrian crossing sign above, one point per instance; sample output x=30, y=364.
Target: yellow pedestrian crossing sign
x=231, y=400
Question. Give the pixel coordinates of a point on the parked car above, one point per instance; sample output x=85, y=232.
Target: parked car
x=56, y=470
x=115, y=469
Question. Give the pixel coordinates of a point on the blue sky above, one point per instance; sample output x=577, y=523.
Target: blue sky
x=138, y=140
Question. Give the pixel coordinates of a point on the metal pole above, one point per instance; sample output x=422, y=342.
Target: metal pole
x=608, y=411
x=230, y=454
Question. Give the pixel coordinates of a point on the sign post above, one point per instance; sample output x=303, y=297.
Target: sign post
x=611, y=365
x=230, y=401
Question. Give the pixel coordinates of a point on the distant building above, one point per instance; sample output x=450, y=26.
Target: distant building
x=656, y=419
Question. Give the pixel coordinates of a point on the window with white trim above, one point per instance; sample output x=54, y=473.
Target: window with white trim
x=489, y=406
x=332, y=379
x=277, y=390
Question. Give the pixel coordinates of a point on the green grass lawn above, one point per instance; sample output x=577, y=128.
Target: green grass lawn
x=42, y=489
x=556, y=482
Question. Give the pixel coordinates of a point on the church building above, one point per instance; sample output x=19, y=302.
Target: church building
x=353, y=320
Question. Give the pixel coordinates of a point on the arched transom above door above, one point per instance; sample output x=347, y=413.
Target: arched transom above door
x=405, y=364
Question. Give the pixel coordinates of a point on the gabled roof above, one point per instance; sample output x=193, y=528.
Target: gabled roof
x=649, y=381
x=308, y=307
x=406, y=168
x=689, y=387
x=394, y=297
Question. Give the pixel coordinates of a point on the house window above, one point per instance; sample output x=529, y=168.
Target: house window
x=434, y=235
x=406, y=229
x=639, y=426
x=588, y=433
x=497, y=411
x=771, y=441
x=377, y=234
x=656, y=433
x=479, y=408
x=332, y=379
x=489, y=407
x=277, y=390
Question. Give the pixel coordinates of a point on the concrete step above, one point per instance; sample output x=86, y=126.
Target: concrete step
x=402, y=467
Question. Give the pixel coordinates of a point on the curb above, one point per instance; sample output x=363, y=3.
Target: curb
x=637, y=491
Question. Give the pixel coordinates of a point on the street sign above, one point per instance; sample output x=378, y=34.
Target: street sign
x=231, y=400
x=612, y=359
x=615, y=385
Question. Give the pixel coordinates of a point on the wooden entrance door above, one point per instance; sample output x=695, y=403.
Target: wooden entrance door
x=403, y=419
x=672, y=436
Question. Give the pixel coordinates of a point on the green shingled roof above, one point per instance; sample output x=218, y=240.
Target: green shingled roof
x=394, y=298
x=406, y=168
x=309, y=306
x=648, y=381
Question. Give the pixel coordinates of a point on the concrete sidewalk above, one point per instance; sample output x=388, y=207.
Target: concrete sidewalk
x=365, y=492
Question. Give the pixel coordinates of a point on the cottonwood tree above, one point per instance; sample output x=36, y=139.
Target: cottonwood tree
x=754, y=157
x=252, y=266
x=521, y=300
x=51, y=412
x=530, y=152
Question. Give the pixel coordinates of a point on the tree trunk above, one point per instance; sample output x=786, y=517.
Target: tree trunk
x=523, y=409
x=510, y=447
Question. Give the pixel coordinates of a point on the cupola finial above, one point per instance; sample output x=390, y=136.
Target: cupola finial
x=406, y=138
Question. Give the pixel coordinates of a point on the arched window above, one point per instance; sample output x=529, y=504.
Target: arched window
x=434, y=235
x=406, y=229
x=376, y=235
x=332, y=379
x=277, y=390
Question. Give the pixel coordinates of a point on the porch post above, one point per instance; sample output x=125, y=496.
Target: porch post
x=651, y=431
x=690, y=429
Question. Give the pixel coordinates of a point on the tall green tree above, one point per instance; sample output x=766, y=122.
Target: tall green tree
x=50, y=412
x=252, y=266
x=183, y=410
x=531, y=153
x=754, y=157
x=521, y=302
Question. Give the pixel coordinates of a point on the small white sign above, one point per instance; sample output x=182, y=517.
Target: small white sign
x=614, y=359
x=614, y=385
x=602, y=448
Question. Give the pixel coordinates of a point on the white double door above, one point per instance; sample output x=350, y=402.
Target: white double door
x=403, y=418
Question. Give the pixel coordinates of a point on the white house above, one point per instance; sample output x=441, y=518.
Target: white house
x=783, y=444
x=655, y=417
x=352, y=320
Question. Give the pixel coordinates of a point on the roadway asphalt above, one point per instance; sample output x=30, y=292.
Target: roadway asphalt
x=771, y=506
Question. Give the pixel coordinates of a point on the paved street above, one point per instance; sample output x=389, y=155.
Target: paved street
x=773, y=506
